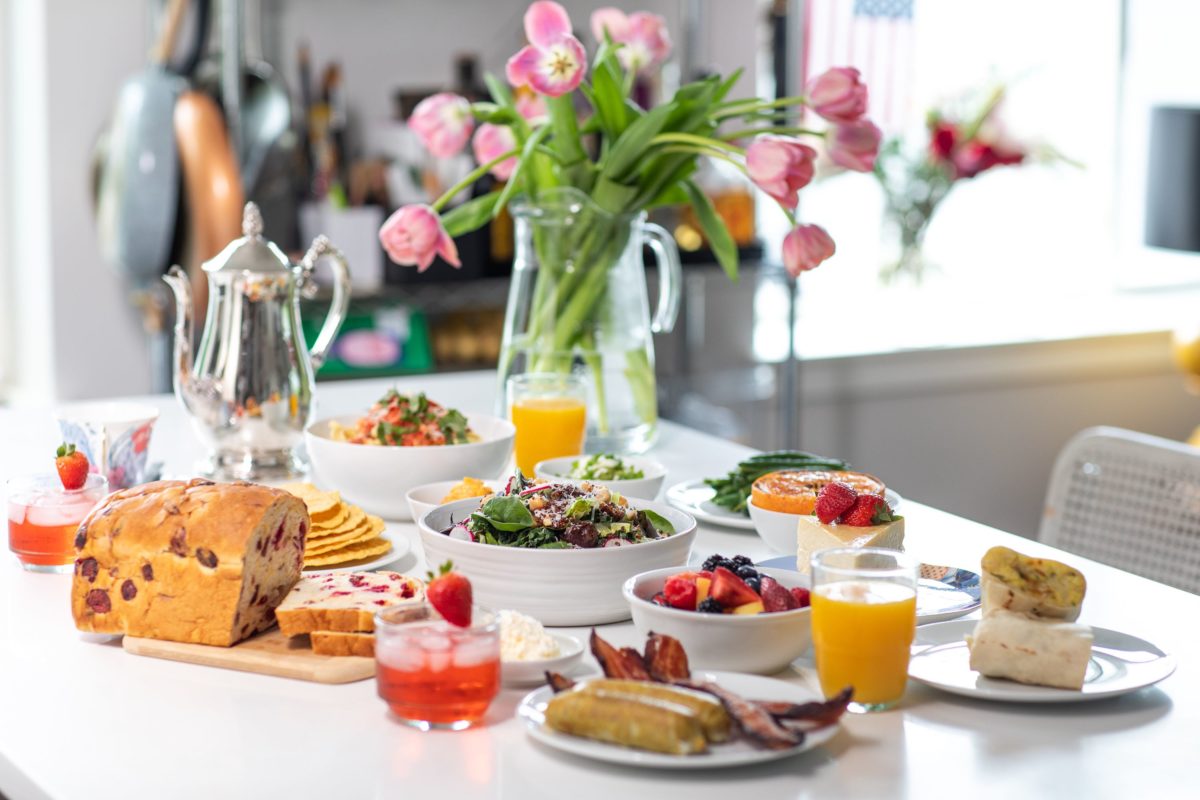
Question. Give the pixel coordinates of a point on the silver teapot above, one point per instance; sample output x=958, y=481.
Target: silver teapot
x=250, y=390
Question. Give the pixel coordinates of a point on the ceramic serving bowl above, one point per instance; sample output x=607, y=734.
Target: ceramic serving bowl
x=654, y=473
x=533, y=673
x=377, y=477
x=558, y=587
x=428, y=496
x=761, y=643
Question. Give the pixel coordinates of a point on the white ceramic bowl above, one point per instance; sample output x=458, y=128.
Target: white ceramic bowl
x=761, y=643
x=558, y=587
x=377, y=477
x=428, y=496
x=529, y=673
x=650, y=485
x=776, y=528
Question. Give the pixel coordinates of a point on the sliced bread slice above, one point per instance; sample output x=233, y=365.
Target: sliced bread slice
x=338, y=643
x=345, y=601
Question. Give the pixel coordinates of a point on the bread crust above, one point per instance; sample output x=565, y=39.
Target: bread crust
x=338, y=643
x=187, y=561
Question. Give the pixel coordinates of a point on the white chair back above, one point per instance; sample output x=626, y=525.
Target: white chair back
x=1130, y=500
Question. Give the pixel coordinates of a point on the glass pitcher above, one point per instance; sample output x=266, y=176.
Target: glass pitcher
x=578, y=304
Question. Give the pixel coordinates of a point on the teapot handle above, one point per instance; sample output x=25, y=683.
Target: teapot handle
x=670, y=276
x=321, y=246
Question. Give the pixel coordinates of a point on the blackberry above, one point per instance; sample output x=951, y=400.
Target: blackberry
x=755, y=583
x=742, y=561
x=709, y=606
x=713, y=561
x=746, y=572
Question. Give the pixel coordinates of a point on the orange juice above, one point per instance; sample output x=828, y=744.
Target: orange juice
x=547, y=427
x=862, y=632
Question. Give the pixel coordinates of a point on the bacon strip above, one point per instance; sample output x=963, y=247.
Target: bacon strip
x=559, y=682
x=755, y=723
x=821, y=713
x=666, y=659
x=626, y=664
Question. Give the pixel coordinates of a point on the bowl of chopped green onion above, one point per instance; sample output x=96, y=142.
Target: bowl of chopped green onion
x=632, y=476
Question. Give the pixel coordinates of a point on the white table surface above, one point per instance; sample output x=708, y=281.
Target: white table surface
x=85, y=720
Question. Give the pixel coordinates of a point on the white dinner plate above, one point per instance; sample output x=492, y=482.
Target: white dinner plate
x=400, y=548
x=942, y=592
x=695, y=498
x=529, y=673
x=730, y=754
x=1120, y=664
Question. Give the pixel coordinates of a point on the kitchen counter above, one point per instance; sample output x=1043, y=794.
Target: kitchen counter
x=85, y=720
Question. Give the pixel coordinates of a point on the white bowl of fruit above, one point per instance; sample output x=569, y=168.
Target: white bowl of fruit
x=730, y=615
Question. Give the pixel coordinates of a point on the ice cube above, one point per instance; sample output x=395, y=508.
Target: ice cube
x=473, y=651
x=16, y=513
x=439, y=661
x=52, y=516
x=399, y=655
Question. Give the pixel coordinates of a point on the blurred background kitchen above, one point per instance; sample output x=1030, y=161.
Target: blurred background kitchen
x=1048, y=301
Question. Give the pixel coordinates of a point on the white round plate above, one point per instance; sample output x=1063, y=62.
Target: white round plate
x=731, y=754
x=1120, y=664
x=695, y=498
x=529, y=673
x=400, y=548
x=943, y=593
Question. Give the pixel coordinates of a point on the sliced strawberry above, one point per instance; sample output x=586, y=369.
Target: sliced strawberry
x=801, y=596
x=868, y=510
x=774, y=596
x=681, y=593
x=72, y=467
x=449, y=592
x=729, y=590
x=835, y=499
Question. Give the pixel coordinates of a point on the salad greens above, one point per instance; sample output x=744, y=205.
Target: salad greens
x=604, y=467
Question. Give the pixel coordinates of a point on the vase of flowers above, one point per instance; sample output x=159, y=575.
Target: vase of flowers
x=580, y=164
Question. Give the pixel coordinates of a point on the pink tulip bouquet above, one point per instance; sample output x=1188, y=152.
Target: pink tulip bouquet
x=572, y=125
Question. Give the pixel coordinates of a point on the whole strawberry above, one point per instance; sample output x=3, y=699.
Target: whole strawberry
x=72, y=467
x=868, y=510
x=835, y=499
x=449, y=592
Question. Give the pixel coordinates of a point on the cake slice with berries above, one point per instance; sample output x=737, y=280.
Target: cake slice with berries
x=845, y=518
x=344, y=602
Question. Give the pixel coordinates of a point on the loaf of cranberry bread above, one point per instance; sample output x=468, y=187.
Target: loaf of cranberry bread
x=188, y=561
x=338, y=643
x=344, y=601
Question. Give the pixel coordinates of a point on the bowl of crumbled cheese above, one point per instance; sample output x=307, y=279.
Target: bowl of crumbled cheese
x=528, y=651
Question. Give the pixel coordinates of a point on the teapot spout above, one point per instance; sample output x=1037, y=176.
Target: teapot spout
x=177, y=279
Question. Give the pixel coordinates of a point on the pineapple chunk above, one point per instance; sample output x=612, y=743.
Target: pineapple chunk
x=702, y=587
x=749, y=608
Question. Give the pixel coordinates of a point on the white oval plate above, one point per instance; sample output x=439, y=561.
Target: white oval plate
x=943, y=593
x=529, y=673
x=1120, y=664
x=731, y=754
x=695, y=498
x=400, y=548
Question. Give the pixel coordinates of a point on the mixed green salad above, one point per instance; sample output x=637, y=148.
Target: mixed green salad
x=604, y=467
x=733, y=490
x=557, y=516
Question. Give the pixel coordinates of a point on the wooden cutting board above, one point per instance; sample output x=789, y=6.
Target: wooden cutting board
x=269, y=653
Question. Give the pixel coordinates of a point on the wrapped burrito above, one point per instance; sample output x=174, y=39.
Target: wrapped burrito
x=1037, y=651
x=1036, y=586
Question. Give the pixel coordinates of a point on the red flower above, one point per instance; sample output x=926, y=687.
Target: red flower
x=975, y=157
x=942, y=140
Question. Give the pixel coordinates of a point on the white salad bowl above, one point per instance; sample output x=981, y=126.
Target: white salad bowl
x=558, y=587
x=760, y=643
x=776, y=528
x=649, y=485
x=428, y=496
x=377, y=477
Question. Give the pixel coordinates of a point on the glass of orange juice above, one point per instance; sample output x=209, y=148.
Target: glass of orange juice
x=549, y=411
x=864, y=616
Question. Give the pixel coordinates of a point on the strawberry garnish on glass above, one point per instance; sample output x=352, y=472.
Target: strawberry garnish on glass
x=449, y=592
x=72, y=467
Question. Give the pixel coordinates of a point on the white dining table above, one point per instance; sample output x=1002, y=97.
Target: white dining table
x=81, y=719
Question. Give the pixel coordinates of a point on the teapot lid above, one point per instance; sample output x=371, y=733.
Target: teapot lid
x=251, y=253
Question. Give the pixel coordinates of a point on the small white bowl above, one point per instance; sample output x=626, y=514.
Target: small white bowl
x=776, y=528
x=428, y=496
x=760, y=643
x=649, y=485
x=528, y=673
x=377, y=477
x=558, y=587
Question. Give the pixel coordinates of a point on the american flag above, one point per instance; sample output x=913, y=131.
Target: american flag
x=876, y=36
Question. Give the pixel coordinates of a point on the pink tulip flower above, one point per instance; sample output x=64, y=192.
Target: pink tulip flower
x=532, y=107
x=492, y=141
x=644, y=40
x=414, y=235
x=780, y=166
x=854, y=145
x=554, y=61
x=805, y=247
x=444, y=123
x=838, y=94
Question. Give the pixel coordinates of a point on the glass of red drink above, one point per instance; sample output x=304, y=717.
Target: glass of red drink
x=433, y=674
x=43, y=519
